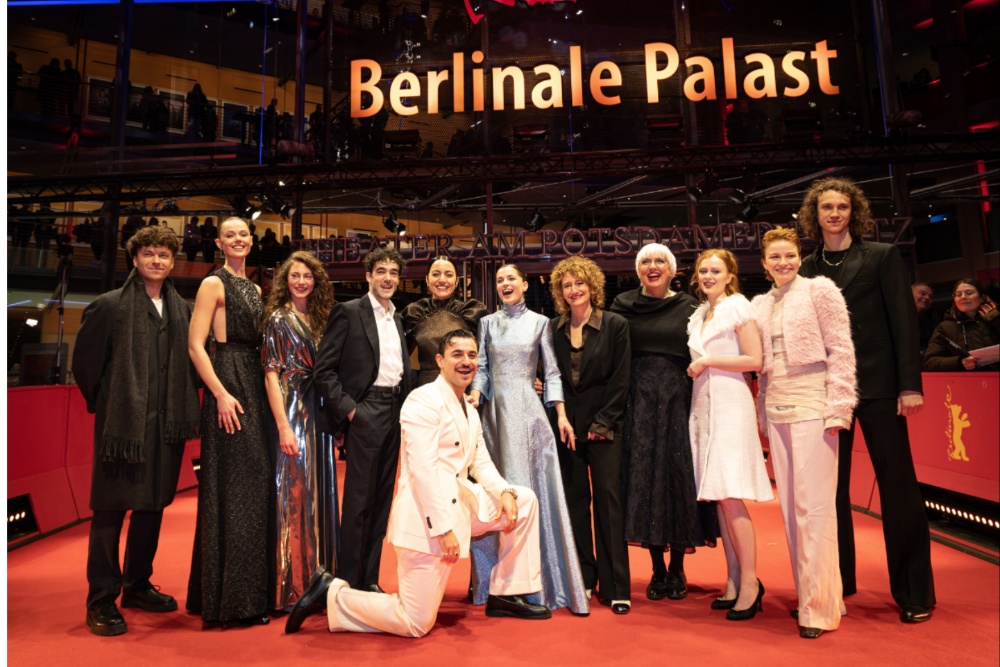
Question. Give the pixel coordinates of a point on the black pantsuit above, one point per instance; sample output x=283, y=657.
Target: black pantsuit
x=884, y=327
x=346, y=368
x=591, y=474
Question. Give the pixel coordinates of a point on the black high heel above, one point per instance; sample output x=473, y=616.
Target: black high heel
x=719, y=604
x=735, y=614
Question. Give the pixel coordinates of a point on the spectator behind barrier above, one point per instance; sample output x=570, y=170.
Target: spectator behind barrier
x=971, y=323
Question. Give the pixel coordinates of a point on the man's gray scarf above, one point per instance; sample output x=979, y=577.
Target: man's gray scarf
x=124, y=437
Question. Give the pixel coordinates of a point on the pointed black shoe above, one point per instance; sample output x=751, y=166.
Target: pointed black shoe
x=720, y=604
x=809, y=633
x=106, y=620
x=312, y=601
x=149, y=599
x=516, y=606
x=735, y=614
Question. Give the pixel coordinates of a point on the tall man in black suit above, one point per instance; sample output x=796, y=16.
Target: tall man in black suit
x=132, y=366
x=885, y=332
x=363, y=372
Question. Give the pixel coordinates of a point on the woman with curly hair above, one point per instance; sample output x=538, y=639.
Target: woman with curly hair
x=884, y=328
x=593, y=352
x=305, y=503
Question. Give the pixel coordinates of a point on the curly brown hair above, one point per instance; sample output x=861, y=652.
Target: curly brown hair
x=861, y=214
x=773, y=236
x=320, y=301
x=584, y=269
x=731, y=265
x=156, y=235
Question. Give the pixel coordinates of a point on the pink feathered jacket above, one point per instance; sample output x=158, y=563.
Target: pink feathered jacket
x=817, y=327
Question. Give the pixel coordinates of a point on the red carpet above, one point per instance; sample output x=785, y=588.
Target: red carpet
x=46, y=587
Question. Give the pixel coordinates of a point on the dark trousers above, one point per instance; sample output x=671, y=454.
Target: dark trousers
x=596, y=463
x=904, y=519
x=104, y=574
x=372, y=444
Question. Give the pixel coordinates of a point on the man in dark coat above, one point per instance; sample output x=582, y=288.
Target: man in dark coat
x=132, y=367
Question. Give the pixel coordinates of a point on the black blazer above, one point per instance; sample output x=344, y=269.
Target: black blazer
x=604, y=375
x=348, y=356
x=884, y=325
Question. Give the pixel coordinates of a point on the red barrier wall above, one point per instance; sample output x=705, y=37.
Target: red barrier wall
x=50, y=450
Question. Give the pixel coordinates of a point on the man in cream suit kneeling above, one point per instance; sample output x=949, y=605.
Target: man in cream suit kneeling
x=436, y=511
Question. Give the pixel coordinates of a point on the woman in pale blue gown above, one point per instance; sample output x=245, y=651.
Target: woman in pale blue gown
x=520, y=439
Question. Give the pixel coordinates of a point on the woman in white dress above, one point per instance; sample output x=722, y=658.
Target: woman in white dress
x=728, y=462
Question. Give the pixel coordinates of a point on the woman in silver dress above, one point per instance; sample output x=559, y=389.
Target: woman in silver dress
x=520, y=439
x=306, y=502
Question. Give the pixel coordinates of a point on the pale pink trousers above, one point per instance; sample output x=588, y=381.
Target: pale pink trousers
x=804, y=457
x=423, y=577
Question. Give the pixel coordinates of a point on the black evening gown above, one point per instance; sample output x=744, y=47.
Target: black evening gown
x=657, y=470
x=229, y=567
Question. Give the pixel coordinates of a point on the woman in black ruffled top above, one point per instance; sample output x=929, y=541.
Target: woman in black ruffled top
x=427, y=320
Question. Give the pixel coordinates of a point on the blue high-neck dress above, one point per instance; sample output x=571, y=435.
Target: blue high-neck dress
x=521, y=443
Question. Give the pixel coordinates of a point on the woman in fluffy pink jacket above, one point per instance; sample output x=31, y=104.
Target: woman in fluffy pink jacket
x=807, y=394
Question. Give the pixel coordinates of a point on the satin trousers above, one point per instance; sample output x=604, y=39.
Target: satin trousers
x=805, y=473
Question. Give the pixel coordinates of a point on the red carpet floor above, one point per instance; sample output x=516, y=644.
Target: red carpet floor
x=46, y=587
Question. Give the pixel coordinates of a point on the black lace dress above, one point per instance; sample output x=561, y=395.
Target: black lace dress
x=658, y=487
x=229, y=568
x=426, y=321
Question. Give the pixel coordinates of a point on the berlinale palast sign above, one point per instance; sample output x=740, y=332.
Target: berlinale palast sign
x=408, y=95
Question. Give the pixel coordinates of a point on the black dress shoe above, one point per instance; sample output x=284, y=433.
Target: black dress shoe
x=247, y=622
x=735, y=614
x=312, y=601
x=809, y=633
x=517, y=606
x=106, y=620
x=677, y=585
x=621, y=606
x=914, y=614
x=149, y=599
x=375, y=588
x=657, y=588
x=794, y=614
x=719, y=604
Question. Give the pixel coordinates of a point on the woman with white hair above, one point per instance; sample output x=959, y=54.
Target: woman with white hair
x=661, y=507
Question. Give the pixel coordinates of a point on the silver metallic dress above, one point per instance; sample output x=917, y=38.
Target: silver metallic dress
x=306, y=501
x=523, y=447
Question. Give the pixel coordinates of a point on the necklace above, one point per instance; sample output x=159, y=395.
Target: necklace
x=828, y=262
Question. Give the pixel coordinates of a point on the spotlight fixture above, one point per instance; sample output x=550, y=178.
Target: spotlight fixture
x=740, y=193
x=705, y=186
x=169, y=207
x=537, y=221
x=749, y=213
x=31, y=322
x=393, y=224
x=275, y=204
x=244, y=209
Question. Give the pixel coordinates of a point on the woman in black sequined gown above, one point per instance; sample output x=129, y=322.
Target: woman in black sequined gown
x=229, y=567
x=661, y=502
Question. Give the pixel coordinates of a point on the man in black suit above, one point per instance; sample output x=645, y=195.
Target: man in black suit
x=363, y=372
x=132, y=366
x=885, y=332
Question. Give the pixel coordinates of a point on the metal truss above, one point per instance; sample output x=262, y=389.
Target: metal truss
x=351, y=175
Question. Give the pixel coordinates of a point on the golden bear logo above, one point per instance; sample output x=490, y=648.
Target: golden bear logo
x=957, y=423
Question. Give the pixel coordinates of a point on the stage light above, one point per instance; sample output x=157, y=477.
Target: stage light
x=169, y=207
x=275, y=204
x=394, y=225
x=537, y=221
x=31, y=322
x=244, y=209
x=704, y=187
x=749, y=213
x=746, y=186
